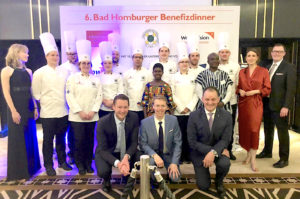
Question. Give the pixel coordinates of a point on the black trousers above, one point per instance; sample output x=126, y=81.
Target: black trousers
x=182, y=121
x=54, y=127
x=84, y=143
x=102, y=113
x=233, y=108
x=140, y=115
x=203, y=180
x=272, y=118
x=70, y=136
x=104, y=168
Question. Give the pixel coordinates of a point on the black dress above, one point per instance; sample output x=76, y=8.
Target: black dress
x=22, y=154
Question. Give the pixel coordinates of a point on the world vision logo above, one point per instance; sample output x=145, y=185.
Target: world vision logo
x=206, y=37
x=151, y=38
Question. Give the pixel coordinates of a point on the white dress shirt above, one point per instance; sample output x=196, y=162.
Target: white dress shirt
x=84, y=93
x=233, y=72
x=184, y=92
x=48, y=86
x=134, y=86
x=156, y=121
x=112, y=85
x=170, y=68
x=72, y=68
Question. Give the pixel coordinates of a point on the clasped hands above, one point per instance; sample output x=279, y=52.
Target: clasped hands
x=124, y=166
x=86, y=116
x=248, y=93
x=210, y=158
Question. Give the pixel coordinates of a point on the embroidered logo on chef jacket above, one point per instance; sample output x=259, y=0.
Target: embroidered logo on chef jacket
x=121, y=73
x=230, y=72
x=192, y=81
x=116, y=81
x=68, y=91
x=143, y=78
x=94, y=84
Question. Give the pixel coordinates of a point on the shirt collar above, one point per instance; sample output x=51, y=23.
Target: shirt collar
x=206, y=111
x=278, y=63
x=117, y=120
x=156, y=120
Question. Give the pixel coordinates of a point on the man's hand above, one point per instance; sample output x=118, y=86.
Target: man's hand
x=173, y=171
x=158, y=161
x=90, y=115
x=107, y=103
x=124, y=167
x=185, y=111
x=220, y=104
x=284, y=112
x=209, y=159
x=83, y=115
x=226, y=153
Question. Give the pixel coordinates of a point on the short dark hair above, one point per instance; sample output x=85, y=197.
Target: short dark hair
x=120, y=97
x=280, y=44
x=211, y=88
x=158, y=65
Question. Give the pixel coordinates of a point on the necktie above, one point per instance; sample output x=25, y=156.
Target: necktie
x=123, y=141
x=272, y=70
x=160, y=139
x=210, y=120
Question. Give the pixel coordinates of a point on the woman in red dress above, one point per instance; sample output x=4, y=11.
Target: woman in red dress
x=254, y=84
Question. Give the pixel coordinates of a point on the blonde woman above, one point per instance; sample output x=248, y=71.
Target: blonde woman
x=22, y=154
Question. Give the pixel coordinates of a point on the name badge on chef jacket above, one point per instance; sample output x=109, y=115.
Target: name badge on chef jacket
x=223, y=82
x=143, y=78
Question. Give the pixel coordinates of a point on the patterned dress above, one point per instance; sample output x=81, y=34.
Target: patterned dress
x=152, y=91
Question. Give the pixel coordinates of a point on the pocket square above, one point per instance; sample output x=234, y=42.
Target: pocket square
x=170, y=131
x=279, y=74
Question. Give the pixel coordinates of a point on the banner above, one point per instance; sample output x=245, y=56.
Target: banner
x=95, y=23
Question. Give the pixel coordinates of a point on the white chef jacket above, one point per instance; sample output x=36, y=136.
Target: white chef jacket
x=134, y=86
x=233, y=71
x=184, y=93
x=196, y=71
x=83, y=93
x=48, y=86
x=112, y=85
x=170, y=68
x=119, y=69
x=72, y=68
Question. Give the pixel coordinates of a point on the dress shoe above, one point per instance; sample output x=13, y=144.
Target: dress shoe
x=90, y=170
x=106, y=186
x=281, y=164
x=65, y=166
x=71, y=161
x=231, y=156
x=220, y=189
x=81, y=171
x=264, y=155
x=50, y=171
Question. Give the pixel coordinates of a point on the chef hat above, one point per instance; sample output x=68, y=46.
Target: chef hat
x=70, y=41
x=114, y=39
x=48, y=42
x=105, y=51
x=223, y=41
x=164, y=40
x=193, y=44
x=137, y=46
x=83, y=50
x=182, y=51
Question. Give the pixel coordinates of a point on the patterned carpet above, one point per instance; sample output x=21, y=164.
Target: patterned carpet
x=80, y=187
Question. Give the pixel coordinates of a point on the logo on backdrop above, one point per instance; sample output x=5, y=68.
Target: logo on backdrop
x=151, y=38
x=203, y=37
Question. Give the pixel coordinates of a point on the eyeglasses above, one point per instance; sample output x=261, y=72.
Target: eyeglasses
x=184, y=62
x=278, y=52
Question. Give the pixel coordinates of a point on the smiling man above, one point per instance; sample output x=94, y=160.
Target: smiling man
x=117, y=138
x=216, y=78
x=160, y=138
x=209, y=131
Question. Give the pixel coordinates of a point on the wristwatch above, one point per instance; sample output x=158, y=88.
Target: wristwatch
x=214, y=152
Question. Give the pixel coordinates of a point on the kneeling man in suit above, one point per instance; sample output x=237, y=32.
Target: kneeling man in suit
x=209, y=133
x=117, y=137
x=160, y=138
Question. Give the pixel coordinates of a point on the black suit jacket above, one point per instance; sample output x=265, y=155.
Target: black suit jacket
x=202, y=140
x=283, y=86
x=107, y=136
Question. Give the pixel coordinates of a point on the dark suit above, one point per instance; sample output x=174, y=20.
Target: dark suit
x=283, y=89
x=202, y=141
x=105, y=156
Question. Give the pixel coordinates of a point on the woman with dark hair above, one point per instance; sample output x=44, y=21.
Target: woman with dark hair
x=22, y=154
x=154, y=88
x=253, y=85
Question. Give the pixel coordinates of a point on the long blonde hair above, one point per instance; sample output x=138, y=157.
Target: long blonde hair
x=12, y=57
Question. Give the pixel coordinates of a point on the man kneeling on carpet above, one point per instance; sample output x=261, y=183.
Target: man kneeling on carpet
x=117, y=137
x=209, y=133
x=160, y=138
